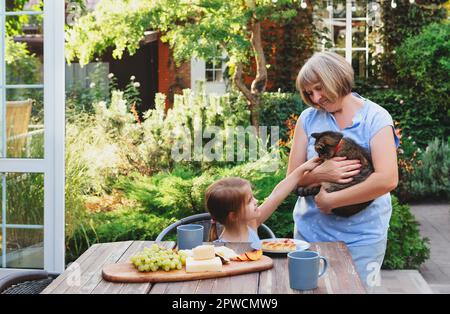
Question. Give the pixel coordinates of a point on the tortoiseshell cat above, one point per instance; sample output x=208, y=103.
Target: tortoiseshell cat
x=331, y=144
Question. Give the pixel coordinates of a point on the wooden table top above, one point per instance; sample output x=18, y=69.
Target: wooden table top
x=85, y=274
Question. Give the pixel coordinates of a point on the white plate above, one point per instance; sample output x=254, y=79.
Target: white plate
x=301, y=245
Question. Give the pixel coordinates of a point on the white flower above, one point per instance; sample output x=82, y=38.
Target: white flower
x=92, y=85
x=110, y=75
x=136, y=84
x=132, y=78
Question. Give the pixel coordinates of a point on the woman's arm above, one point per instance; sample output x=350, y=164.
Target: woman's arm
x=383, y=180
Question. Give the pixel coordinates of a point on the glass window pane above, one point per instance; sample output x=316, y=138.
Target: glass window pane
x=24, y=248
x=25, y=198
x=24, y=50
x=361, y=8
x=24, y=123
x=30, y=5
x=359, y=63
x=209, y=64
x=339, y=9
x=218, y=76
x=209, y=75
x=340, y=52
x=339, y=34
x=359, y=34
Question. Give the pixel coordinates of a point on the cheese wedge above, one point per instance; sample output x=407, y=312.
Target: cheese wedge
x=202, y=252
x=197, y=266
x=225, y=252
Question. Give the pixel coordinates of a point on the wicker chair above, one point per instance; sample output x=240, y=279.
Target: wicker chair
x=26, y=282
x=205, y=220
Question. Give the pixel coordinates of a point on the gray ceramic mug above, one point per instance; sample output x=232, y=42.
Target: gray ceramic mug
x=189, y=236
x=304, y=269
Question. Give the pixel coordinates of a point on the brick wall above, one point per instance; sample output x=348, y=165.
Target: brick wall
x=171, y=79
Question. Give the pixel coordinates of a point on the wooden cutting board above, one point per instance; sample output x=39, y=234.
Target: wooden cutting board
x=127, y=273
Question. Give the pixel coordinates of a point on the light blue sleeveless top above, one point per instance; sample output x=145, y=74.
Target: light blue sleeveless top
x=252, y=237
x=370, y=225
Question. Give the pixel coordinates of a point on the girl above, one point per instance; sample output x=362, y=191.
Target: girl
x=231, y=202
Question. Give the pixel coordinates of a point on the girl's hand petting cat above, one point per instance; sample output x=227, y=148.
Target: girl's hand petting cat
x=338, y=170
x=311, y=164
x=324, y=201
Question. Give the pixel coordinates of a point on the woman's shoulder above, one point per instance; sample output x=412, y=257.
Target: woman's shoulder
x=375, y=108
x=308, y=115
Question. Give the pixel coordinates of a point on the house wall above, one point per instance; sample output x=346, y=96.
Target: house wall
x=171, y=79
x=198, y=74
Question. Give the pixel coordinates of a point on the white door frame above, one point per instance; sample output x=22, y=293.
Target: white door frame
x=52, y=165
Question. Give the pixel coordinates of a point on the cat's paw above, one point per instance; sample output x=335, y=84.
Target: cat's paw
x=302, y=191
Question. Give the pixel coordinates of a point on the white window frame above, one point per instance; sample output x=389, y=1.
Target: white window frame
x=348, y=32
x=52, y=165
x=217, y=66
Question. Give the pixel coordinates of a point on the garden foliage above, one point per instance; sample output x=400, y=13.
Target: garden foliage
x=406, y=249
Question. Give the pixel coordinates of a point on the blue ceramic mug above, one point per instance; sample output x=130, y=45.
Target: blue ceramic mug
x=304, y=269
x=189, y=236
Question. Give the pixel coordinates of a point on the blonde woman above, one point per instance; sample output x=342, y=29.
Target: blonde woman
x=325, y=84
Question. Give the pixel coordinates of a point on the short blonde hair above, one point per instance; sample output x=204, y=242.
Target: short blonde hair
x=331, y=71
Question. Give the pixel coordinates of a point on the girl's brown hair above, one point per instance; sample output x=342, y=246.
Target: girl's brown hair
x=222, y=198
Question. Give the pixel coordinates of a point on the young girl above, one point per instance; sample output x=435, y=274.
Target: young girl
x=231, y=202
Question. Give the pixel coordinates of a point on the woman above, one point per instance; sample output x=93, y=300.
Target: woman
x=325, y=83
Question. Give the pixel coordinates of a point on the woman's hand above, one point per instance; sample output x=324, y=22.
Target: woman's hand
x=324, y=201
x=337, y=170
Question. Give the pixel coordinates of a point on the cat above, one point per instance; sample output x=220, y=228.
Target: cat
x=331, y=144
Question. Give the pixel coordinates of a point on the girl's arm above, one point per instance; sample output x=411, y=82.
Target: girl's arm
x=336, y=169
x=283, y=189
x=383, y=180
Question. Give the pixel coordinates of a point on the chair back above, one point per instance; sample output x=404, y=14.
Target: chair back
x=18, y=114
x=204, y=219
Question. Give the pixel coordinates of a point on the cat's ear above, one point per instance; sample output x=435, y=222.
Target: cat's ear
x=315, y=135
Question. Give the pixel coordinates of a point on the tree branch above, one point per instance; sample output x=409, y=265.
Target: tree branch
x=260, y=81
x=237, y=78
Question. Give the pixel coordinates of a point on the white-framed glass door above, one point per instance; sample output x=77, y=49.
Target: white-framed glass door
x=347, y=22
x=32, y=134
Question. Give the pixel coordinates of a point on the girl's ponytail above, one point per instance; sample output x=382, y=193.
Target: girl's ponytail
x=213, y=231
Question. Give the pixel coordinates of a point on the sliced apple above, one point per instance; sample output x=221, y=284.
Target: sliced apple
x=241, y=258
x=254, y=255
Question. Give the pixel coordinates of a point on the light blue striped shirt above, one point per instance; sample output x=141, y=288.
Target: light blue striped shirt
x=371, y=224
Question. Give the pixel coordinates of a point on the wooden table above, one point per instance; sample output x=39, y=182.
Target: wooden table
x=84, y=275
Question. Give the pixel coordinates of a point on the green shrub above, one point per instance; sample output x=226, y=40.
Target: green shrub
x=416, y=116
x=430, y=178
x=276, y=108
x=120, y=225
x=406, y=249
x=422, y=62
x=405, y=21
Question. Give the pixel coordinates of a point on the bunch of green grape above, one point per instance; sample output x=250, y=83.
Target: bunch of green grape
x=156, y=257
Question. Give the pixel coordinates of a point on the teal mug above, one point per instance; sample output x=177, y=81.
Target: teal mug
x=304, y=269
